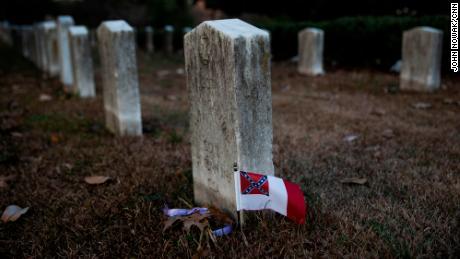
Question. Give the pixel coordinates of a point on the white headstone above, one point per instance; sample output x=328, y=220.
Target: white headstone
x=228, y=77
x=149, y=39
x=82, y=63
x=65, y=63
x=119, y=76
x=169, y=39
x=39, y=32
x=311, y=46
x=25, y=41
x=51, y=48
x=421, y=59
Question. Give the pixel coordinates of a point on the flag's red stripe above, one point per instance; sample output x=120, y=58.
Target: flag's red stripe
x=296, y=209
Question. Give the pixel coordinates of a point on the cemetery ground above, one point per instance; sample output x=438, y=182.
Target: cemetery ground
x=379, y=168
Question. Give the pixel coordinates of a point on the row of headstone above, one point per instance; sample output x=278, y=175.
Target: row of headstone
x=229, y=81
x=168, y=38
x=421, y=57
x=5, y=33
x=61, y=49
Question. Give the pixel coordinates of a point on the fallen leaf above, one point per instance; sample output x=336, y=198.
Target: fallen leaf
x=421, y=105
x=196, y=219
x=350, y=137
x=45, y=98
x=4, y=179
x=354, y=180
x=13, y=212
x=169, y=222
x=54, y=138
x=96, y=179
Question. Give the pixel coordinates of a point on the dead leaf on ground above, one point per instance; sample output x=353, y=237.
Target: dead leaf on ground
x=354, y=180
x=421, y=105
x=54, y=138
x=196, y=219
x=13, y=212
x=4, y=179
x=45, y=98
x=96, y=179
x=169, y=222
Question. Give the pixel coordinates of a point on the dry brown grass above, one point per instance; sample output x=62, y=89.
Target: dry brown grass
x=409, y=208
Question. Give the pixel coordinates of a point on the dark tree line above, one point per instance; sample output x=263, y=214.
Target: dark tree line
x=160, y=12
x=301, y=10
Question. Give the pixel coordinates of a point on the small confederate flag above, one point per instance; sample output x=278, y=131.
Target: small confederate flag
x=257, y=192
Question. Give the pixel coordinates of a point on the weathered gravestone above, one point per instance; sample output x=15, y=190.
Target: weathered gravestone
x=25, y=41
x=51, y=48
x=119, y=76
x=149, y=39
x=169, y=39
x=5, y=33
x=421, y=59
x=40, y=58
x=32, y=45
x=82, y=63
x=65, y=63
x=311, y=46
x=228, y=77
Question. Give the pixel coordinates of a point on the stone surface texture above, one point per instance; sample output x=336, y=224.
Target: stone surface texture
x=311, y=47
x=421, y=59
x=51, y=48
x=65, y=63
x=228, y=79
x=82, y=62
x=40, y=59
x=119, y=76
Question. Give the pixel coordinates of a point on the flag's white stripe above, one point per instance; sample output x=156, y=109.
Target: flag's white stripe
x=236, y=176
x=255, y=202
x=278, y=195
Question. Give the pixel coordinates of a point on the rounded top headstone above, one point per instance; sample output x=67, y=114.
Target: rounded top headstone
x=65, y=19
x=78, y=30
x=426, y=29
x=116, y=26
x=312, y=30
x=234, y=28
x=169, y=28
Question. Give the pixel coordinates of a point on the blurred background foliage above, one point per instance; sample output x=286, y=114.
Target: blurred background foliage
x=358, y=33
